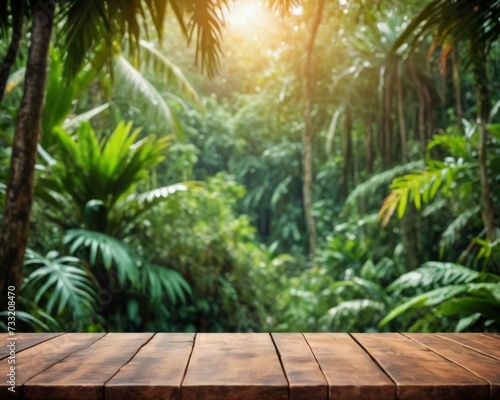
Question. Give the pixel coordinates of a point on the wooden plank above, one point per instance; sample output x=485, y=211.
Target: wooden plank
x=82, y=376
x=155, y=372
x=492, y=335
x=420, y=373
x=480, y=343
x=242, y=366
x=350, y=372
x=23, y=341
x=34, y=360
x=306, y=381
x=481, y=365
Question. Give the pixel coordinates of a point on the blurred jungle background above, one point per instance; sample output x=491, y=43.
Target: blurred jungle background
x=246, y=165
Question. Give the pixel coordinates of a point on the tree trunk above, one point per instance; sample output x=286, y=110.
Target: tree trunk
x=14, y=235
x=483, y=105
x=307, y=133
x=410, y=236
x=387, y=122
x=348, y=154
x=401, y=119
x=456, y=86
x=369, y=144
x=17, y=7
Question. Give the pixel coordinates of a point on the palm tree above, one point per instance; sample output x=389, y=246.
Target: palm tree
x=85, y=27
x=476, y=23
x=308, y=130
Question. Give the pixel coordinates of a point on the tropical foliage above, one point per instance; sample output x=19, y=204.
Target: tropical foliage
x=303, y=166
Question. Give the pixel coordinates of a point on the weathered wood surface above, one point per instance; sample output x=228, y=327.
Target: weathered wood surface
x=35, y=360
x=420, y=373
x=306, y=381
x=23, y=341
x=240, y=366
x=257, y=366
x=479, y=364
x=156, y=371
x=82, y=375
x=349, y=370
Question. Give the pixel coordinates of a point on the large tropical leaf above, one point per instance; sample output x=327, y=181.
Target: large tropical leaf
x=432, y=274
x=167, y=72
x=344, y=316
x=452, y=21
x=370, y=186
x=108, y=250
x=160, y=282
x=486, y=301
x=61, y=282
x=105, y=169
x=132, y=82
x=86, y=25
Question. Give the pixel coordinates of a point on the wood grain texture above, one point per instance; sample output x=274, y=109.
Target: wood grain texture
x=481, y=365
x=155, y=372
x=419, y=372
x=350, y=372
x=82, y=376
x=243, y=366
x=492, y=335
x=23, y=341
x=306, y=381
x=34, y=360
x=480, y=343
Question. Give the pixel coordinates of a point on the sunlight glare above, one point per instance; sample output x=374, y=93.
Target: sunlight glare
x=299, y=10
x=244, y=13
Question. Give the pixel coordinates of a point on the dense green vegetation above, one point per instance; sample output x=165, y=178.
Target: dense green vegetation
x=169, y=200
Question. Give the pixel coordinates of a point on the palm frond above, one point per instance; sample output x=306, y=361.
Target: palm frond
x=452, y=231
x=70, y=287
x=343, y=316
x=136, y=204
x=169, y=73
x=75, y=122
x=131, y=82
x=106, y=249
x=362, y=287
x=445, y=301
x=106, y=169
x=283, y=7
x=160, y=282
x=384, y=178
x=432, y=274
x=453, y=21
x=421, y=187
x=36, y=318
x=207, y=22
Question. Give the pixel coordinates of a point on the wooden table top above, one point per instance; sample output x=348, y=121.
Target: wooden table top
x=251, y=366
